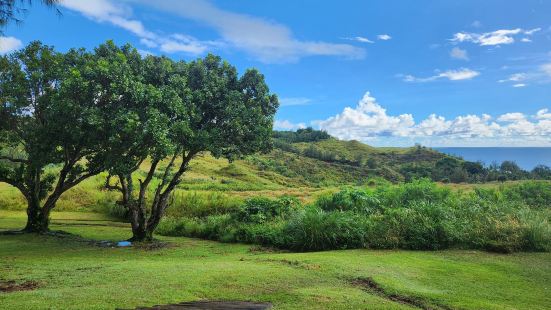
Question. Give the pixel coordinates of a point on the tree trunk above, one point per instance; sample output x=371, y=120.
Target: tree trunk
x=38, y=218
x=139, y=225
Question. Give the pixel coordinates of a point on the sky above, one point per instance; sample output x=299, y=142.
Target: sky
x=387, y=73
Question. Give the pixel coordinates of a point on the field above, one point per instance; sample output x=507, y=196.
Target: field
x=74, y=274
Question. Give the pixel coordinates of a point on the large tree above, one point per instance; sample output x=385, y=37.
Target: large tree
x=180, y=111
x=52, y=134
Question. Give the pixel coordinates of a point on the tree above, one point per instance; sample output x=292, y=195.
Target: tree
x=542, y=172
x=51, y=134
x=179, y=111
x=512, y=171
x=10, y=10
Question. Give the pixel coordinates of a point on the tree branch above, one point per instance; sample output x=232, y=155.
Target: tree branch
x=110, y=187
x=15, y=160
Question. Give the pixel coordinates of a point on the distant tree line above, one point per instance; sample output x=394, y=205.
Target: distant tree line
x=301, y=135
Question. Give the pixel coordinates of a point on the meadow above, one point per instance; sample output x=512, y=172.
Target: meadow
x=74, y=273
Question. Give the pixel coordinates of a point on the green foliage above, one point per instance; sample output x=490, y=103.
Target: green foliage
x=301, y=135
x=260, y=210
x=419, y=215
x=534, y=193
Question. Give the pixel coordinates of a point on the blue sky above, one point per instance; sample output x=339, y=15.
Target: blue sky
x=440, y=73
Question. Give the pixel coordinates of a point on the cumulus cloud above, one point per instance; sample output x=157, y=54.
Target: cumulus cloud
x=458, y=53
x=543, y=114
x=9, y=44
x=370, y=122
x=287, y=125
x=264, y=39
x=452, y=75
x=367, y=119
x=384, y=37
x=120, y=15
x=498, y=37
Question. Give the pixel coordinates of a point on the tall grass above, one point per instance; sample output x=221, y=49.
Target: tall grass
x=419, y=215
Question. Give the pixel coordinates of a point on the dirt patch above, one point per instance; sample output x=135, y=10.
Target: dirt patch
x=13, y=286
x=212, y=305
x=369, y=285
x=153, y=245
x=258, y=249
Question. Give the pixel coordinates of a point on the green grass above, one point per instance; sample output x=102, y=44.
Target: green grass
x=75, y=275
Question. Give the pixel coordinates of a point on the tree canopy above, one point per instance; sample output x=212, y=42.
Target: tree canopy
x=69, y=116
x=52, y=134
x=175, y=111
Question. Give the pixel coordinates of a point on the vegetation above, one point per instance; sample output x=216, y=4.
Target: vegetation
x=174, y=111
x=123, y=109
x=419, y=215
x=393, y=164
x=52, y=115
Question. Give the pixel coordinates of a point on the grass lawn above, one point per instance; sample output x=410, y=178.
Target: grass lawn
x=78, y=275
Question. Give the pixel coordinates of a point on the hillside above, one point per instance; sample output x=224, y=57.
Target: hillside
x=303, y=164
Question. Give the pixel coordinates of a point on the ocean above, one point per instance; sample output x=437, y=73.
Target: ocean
x=526, y=157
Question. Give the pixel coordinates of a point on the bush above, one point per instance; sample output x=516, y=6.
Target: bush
x=316, y=229
x=349, y=200
x=260, y=210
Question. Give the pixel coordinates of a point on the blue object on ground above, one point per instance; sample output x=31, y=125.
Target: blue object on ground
x=124, y=243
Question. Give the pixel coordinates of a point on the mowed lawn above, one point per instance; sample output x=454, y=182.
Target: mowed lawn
x=72, y=274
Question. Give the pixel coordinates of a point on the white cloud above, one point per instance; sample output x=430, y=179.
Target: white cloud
x=526, y=40
x=358, y=39
x=9, y=44
x=367, y=119
x=194, y=48
x=384, y=37
x=517, y=77
x=452, y=75
x=511, y=117
x=144, y=53
x=543, y=114
x=120, y=15
x=546, y=68
x=287, y=125
x=532, y=31
x=498, y=37
x=293, y=101
x=518, y=85
x=148, y=43
x=458, y=53
x=266, y=40
x=476, y=24
x=370, y=122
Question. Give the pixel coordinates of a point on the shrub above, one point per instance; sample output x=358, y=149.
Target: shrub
x=315, y=229
x=260, y=210
x=532, y=193
x=349, y=199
